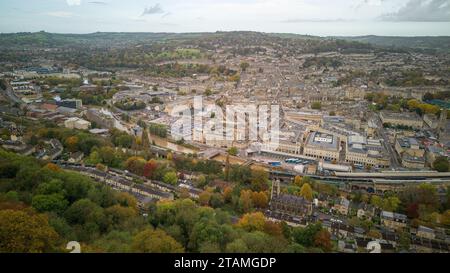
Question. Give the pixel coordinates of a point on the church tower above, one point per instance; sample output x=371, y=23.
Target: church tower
x=275, y=189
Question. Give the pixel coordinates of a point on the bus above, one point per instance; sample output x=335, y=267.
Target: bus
x=274, y=163
x=293, y=161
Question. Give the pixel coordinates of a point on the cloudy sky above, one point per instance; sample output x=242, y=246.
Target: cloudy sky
x=314, y=17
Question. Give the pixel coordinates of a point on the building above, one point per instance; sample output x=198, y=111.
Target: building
x=322, y=146
x=401, y=119
x=342, y=206
x=367, y=152
x=411, y=152
x=77, y=123
x=408, y=145
x=426, y=232
x=70, y=103
x=433, y=152
x=76, y=157
x=288, y=204
x=393, y=220
x=431, y=121
x=101, y=118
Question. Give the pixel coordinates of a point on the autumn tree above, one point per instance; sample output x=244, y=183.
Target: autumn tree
x=227, y=194
x=259, y=180
x=25, y=232
x=245, y=201
x=373, y=233
x=298, y=181
x=260, y=199
x=71, y=143
x=155, y=241
x=149, y=168
x=322, y=239
x=135, y=165
x=306, y=192
x=252, y=221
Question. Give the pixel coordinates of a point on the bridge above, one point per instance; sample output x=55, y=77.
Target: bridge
x=371, y=182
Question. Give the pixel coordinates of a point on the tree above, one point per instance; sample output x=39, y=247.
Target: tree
x=260, y=200
x=227, y=194
x=233, y=151
x=244, y=66
x=25, y=232
x=316, y=105
x=237, y=246
x=216, y=200
x=252, y=222
x=204, y=197
x=72, y=143
x=391, y=203
x=155, y=241
x=259, y=180
x=170, y=178
x=298, y=181
x=306, y=236
x=441, y=164
x=374, y=234
x=149, y=168
x=135, y=165
x=245, y=201
x=306, y=192
x=50, y=203
x=322, y=239
x=404, y=241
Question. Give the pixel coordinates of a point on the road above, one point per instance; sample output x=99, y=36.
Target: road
x=10, y=95
x=395, y=161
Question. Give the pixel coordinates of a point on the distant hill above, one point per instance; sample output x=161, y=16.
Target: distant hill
x=440, y=43
x=207, y=40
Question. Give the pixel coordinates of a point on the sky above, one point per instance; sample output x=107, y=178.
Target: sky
x=312, y=17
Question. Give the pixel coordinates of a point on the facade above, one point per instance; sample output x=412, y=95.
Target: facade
x=71, y=103
x=431, y=121
x=77, y=123
x=402, y=119
x=101, y=118
x=343, y=206
x=322, y=146
x=393, y=220
x=426, y=232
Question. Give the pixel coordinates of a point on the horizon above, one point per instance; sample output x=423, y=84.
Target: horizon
x=221, y=31
x=405, y=18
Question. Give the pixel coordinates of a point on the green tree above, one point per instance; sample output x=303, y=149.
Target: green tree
x=50, y=203
x=170, y=178
x=316, y=105
x=441, y=164
x=233, y=151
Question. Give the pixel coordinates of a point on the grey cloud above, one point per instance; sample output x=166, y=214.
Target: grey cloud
x=98, y=3
x=156, y=9
x=421, y=11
